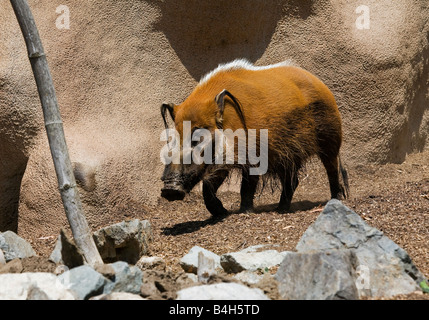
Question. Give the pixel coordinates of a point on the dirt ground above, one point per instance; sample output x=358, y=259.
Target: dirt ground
x=393, y=198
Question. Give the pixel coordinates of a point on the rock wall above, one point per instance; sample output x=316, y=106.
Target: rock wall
x=121, y=59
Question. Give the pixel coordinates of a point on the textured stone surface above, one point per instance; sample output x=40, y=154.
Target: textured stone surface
x=388, y=268
x=83, y=281
x=118, y=296
x=124, y=241
x=189, y=262
x=65, y=252
x=251, y=259
x=221, y=291
x=327, y=275
x=127, y=279
x=2, y=258
x=151, y=263
x=14, y=246
x=13, y=266
x=33, y=286
x=248, y=277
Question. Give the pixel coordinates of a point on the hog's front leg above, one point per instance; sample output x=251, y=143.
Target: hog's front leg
x=210, y=187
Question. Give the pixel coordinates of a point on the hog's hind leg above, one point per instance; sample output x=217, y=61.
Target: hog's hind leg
x=289, y=183
x=249, y=184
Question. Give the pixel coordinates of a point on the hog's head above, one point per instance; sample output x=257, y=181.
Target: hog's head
x=189, y=159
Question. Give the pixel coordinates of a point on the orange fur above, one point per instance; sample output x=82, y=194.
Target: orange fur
x=298, y=110
x=270, y=99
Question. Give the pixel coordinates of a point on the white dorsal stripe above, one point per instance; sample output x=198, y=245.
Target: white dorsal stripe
x=242, y=64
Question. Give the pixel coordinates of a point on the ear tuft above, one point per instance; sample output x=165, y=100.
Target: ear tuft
x=220, y=101
x=164, y=108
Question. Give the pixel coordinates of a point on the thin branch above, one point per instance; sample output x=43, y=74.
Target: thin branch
x=54, y=129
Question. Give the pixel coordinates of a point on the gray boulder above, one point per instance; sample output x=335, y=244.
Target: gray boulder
x=189, y=262
x=251, y=259
x=151, y=263
x=248, y=277
x=2, y=258
x=384, y=269
x=124, y=241
x=127, y=279
x=33, y=286
x=14, y=246
x=14, y=266
x=221, y=291
x=325, y=275
x=83, y=281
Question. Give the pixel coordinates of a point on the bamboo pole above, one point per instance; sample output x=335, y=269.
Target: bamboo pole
x=54, y=129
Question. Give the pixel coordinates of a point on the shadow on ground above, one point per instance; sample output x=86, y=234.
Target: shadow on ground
x=193, y=226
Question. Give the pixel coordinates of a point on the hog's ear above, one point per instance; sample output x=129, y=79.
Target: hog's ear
x=164, y=108
x=220, y=101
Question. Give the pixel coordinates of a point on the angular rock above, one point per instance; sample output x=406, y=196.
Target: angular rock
x=118, y=296
x=259, y=248
x=189, y=262
x=151, y=263
x=251, y=259
x=60, y=269
x=33, y=286
x=221, y=291
x=37, y=264
x=325, y=275
x=149, y=289
x=248, y=277
x=2, y=258
x=384, y=269
x=124, y=241
x=66, y=252
x=32, y=264
x=14, y=246
x=106, y=270
x=206, y=268
x=127, y=279
x=14, y=266
x=35, y=293
x=83, y=281
x=192, y=277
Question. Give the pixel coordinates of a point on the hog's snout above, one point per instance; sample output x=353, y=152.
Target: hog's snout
x=173, y=190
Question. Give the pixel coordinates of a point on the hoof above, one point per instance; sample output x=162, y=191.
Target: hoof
x=283, y=209
x=245, y=209
x=219, y=212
